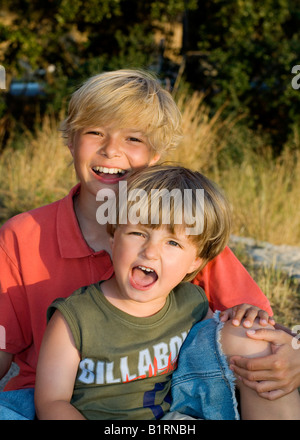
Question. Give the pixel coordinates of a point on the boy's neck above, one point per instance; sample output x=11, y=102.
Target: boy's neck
x=111, y=291
x=94, y=234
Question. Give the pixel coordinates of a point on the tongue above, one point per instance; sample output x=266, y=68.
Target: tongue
x=143, y=278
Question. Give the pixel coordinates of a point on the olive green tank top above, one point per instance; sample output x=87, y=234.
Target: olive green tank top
x=126, y=361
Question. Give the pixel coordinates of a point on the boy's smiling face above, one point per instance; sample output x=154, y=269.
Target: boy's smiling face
x=148, y=264
x=103, y=155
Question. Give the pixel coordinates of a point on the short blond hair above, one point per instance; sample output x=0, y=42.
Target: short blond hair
x=216, y=214
x=130, y=98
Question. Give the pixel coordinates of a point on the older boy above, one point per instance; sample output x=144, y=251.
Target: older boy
x=117, y=121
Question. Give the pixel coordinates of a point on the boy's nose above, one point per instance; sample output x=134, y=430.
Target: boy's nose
x=111, y=148
x=151, y=251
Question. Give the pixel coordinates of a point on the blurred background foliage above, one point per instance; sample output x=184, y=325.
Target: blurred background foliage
x=235, y=51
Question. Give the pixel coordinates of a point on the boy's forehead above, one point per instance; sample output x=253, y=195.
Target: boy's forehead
x=115, y=127
x=171, y=231
x=137, y=130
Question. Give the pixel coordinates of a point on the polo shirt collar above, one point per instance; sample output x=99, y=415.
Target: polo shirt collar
x=70, y=240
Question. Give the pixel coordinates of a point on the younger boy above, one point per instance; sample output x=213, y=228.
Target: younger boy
x=110, y=349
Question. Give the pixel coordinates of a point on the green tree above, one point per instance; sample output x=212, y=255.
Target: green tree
x=244, y=51
x=71, y=33
x=80, y=38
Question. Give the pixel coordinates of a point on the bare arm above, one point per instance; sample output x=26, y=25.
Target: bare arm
x=56, y=373
x=5, y=363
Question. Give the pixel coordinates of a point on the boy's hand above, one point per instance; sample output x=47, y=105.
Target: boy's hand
x=248, y=314
x=275, y=375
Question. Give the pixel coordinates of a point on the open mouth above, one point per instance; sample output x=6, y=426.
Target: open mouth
x=143, y=277
x=109, y=173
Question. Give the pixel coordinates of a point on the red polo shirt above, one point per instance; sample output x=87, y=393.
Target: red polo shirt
x=43, y=256
x=227, y=283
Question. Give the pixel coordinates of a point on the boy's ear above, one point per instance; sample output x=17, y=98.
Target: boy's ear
x=111, y=240
x=72, y=142
x=71, y=148
x=195, y=265
x=154, y=159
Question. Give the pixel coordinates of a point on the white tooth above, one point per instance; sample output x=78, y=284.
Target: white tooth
x=146, y=269
x=109, y=170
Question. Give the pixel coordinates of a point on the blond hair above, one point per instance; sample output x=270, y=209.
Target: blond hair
x=129, y=98
x=216, y=214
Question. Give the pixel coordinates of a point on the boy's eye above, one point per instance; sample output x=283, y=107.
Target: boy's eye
x=134, y=139
x=96, y=133
x=137, y=233
x=174, y=243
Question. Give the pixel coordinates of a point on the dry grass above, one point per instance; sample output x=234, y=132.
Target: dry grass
x=37, y=173
x=282, y=291
x=264, y=192
x=265, y=196
x=204, y=135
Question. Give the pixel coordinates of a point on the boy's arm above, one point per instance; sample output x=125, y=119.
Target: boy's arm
x=56, y=373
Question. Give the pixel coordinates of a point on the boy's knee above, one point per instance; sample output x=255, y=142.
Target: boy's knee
x=235, y=341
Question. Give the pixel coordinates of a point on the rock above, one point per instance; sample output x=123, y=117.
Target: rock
x=281, y=257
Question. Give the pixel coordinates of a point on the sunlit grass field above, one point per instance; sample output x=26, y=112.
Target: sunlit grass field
x=264, y=191
x=36, y=169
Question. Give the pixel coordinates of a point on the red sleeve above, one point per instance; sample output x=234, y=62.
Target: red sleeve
x=13, y=304
x=227, y=283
